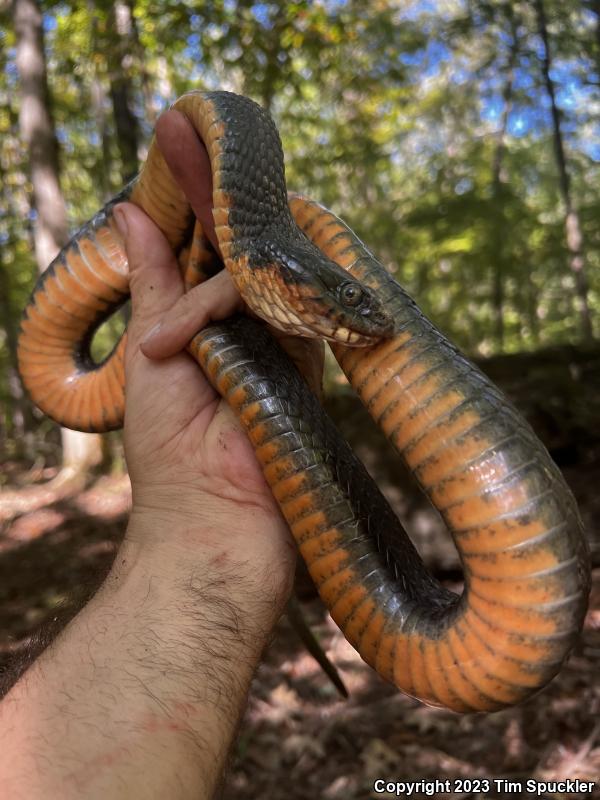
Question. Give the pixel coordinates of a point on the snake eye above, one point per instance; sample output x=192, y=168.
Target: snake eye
x=351, y=294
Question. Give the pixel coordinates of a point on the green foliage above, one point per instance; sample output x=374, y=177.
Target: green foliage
x=391, y=113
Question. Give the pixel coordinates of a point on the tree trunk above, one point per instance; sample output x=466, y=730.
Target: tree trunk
x=150, y=107
x=13, y=429
x=99, y=107
x=574, y=236
x=532, y=301
x=119, y=61
x=594, y=6
x=81, y=451
x=500, y=235
x=98, y=98
x=14, y=425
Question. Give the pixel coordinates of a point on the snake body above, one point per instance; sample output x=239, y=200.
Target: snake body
x=513, y=519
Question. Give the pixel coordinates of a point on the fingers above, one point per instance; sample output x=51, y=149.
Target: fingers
x=154, y=280
x=213, y=300
x=180, y=315
x=188, y=160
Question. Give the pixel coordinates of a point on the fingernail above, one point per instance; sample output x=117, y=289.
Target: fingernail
x=120, y=220
x=152, y=333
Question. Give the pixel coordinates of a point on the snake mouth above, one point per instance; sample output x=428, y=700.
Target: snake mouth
x=351, y=338
x=364, y=325
x=296, y=289
x=314, y=311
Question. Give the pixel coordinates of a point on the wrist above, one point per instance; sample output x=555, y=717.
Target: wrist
x=197, y=627
x=247, y=556
x=163, y=656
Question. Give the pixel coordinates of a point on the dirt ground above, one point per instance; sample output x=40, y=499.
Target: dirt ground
x=299, y=740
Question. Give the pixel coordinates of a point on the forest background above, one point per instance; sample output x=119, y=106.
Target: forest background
x=460, y=139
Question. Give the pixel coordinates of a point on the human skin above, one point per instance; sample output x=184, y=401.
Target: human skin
x=142, y=693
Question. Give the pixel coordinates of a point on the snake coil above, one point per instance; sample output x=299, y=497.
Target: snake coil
x=512, y=517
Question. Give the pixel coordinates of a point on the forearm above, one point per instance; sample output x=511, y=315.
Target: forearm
x=142, y=693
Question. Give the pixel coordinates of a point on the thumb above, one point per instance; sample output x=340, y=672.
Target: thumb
x=154, y=279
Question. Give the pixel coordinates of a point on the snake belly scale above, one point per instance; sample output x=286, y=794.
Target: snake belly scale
x=513, y=519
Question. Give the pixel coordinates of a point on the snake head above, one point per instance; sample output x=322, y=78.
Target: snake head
x=292, y=285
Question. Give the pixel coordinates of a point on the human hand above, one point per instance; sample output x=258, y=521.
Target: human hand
x=216, y=299
x=144, y=689
x=194, y=474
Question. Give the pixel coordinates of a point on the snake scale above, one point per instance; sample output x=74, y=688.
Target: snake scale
x=513, y=519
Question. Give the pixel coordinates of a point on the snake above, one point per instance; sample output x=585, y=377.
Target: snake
x=514, y=521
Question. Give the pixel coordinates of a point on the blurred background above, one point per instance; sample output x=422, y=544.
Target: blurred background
x=461, y=141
